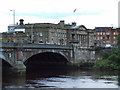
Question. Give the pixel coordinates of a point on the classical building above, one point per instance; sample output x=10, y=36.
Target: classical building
x=84, y=36
x=60, y=34
x=106, y=35
x=78, y=37
x=49, y=33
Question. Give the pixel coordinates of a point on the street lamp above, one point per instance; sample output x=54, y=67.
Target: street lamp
x=13, y=16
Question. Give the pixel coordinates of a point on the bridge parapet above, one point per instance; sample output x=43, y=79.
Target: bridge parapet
x=16, y=53
x=34, y=46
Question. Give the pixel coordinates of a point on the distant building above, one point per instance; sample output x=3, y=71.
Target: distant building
x=106, y=36
x=16, y=34
x=16, y=37
x=47, y=33
x=11, y=28
x=60, y=34
x=84, y=36
x=50, y=33
x=17, y=28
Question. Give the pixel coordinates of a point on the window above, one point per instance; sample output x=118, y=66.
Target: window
x=114, y=41
x=107, y=41
x=103, y=37
x=114, y=37
x=41, y=34
x=107, y=37
x=98, y=38
x=41, y=41
x=104, y=42
x=103, y=33
x=107, y=33
x=114, y=33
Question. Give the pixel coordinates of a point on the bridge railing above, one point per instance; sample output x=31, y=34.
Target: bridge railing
x=33, y=46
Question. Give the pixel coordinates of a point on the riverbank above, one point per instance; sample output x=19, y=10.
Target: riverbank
x=107, y=64
x=81, y=65
x=107, y=59
x=103, y=64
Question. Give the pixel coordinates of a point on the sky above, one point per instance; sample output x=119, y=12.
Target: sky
x=90, y=13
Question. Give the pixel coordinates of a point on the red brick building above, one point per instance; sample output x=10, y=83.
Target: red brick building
x=106, y=35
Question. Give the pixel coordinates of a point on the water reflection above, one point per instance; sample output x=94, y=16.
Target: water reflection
x=65, y=78
x=13, y=79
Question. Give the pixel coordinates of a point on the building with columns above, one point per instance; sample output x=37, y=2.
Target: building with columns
x=50, y=33
x=60, y=34
x=84, y=36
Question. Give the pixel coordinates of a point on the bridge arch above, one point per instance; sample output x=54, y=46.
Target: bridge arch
x=5, y=63
x=2, y=56
x=45, y=59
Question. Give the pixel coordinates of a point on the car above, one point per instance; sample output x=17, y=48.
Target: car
x=108, y=46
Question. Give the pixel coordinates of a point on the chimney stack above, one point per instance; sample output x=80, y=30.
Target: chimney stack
x=73, y=23
x=21, y=22
x=61, y=23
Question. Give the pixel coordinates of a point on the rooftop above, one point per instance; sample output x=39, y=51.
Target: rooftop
x=103, y=28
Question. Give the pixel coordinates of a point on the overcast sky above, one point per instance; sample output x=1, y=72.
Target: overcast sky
x=91, y=13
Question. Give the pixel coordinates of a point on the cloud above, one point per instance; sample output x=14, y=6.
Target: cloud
x=91, y=13
x=57, y=5
x=5, y=21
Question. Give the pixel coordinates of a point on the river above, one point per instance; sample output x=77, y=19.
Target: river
x=65, y=78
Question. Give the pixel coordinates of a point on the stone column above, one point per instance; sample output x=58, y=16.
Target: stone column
x=19, y=66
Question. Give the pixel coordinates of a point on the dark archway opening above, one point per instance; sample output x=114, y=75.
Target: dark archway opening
x=5, y=64
x=46, y=60
x=5, y=67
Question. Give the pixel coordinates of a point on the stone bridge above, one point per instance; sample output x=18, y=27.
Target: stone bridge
x=19, y=55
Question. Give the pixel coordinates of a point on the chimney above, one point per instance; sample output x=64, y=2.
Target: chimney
x=61, y=23
x=73, y=23
x=21, y=21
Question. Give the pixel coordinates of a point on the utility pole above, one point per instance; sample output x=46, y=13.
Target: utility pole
x=13, y=16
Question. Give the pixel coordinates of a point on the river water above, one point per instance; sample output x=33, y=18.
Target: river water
x=65, y=78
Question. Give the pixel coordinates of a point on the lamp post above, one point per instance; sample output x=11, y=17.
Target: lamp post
x=13, y=16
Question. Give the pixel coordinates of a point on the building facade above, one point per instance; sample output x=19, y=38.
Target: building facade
x=106, y=35
x=60, y=34
x=16, y=37
x=17, y=27
x=49, y=33
x=78, y=37
x=46, y=33
x=84, y=36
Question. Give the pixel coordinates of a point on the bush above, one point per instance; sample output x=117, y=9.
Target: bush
x=107, y=64
x=101, y=63
x=106, y=53
x=114, y=58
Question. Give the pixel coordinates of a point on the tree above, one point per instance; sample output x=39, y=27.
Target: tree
x=114, y=58
x=118, y=39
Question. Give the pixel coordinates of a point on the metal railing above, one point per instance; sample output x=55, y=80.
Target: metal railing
x=33, y=46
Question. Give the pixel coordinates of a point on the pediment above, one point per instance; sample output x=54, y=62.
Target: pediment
x=82, y=27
